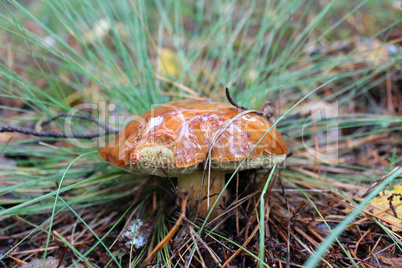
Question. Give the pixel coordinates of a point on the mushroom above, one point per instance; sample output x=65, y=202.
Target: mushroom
x=180, y=138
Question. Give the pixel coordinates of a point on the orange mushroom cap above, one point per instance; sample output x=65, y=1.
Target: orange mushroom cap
x=175, y=138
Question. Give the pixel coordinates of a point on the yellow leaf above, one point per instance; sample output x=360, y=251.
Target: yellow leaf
x=169, y=63
x=382, y=203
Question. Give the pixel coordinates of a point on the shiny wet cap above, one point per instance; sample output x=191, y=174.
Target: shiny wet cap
x=175, y=138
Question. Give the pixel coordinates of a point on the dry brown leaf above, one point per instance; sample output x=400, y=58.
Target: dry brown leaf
x=393, y=262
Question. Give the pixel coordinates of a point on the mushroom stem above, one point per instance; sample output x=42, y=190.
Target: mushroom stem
x=192, y=183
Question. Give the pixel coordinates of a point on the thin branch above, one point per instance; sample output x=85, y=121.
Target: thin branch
x=54, y=134
x=81, y=116
x=60, y=135
x=230, y=99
